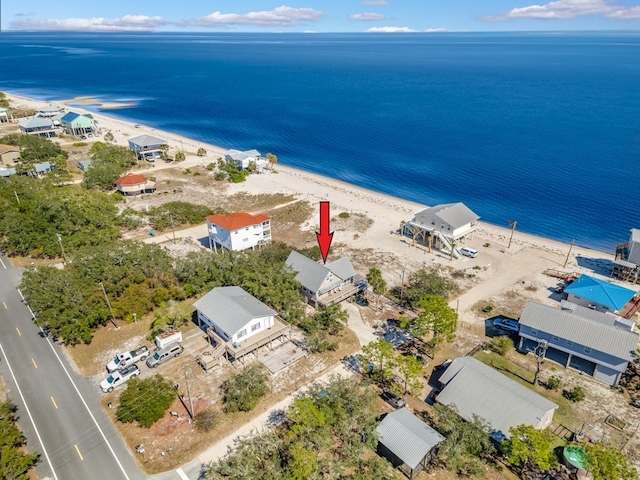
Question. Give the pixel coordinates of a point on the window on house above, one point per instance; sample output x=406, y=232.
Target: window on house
x=534, y=331
x=242, y=333
x=569, y=342
x=555, y=339
x=246, y=229
x=433, y=223
x=587, y=350
x=256, y=327
x=442, y=226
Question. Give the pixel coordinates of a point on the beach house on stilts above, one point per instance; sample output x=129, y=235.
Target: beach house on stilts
x=442, y=227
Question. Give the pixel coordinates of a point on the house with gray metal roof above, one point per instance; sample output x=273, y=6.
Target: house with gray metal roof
x=234, y=314
x=324, y=285
x=596, y=343
x=475, y=389
x=38, y=126
x=442, y=226
x=242, y=159
x=7, y=172
x=147, y=147
x=407, y=442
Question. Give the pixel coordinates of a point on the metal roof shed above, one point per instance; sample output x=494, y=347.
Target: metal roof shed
x=407, y=442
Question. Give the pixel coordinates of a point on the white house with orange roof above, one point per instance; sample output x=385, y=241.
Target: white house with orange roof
x=238, y=231
x=134, y=184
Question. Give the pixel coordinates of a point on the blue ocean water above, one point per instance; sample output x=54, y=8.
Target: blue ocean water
x=542, y=128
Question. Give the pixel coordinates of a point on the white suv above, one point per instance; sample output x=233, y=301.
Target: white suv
x=469, y=252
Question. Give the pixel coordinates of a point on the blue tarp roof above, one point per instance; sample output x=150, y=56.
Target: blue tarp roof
x=601, y=292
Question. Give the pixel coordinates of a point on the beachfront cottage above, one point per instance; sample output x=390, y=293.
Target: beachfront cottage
x=324, y=285
x=477, y=389
x=598, y=344
x=77, y=124
x=148, y=147
x=7, y=172
x=134, y=184
x=242, y=160
x=9, y=155
x=238, y=231
x=598, y=294
x=4, y=115
x=49, y=111
x=442, y=226
x=233, y=314
x=42, y=127
x=41, y=169
x=407, y=442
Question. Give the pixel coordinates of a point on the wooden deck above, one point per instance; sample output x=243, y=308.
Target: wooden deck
x=236, y=352
x=337, y=296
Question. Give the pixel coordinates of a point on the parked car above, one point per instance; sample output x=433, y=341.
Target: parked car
x=119, y=378
x=393, y=400
x=164, y=354
x=469, y=252
x=125, y=359
x=506, y=324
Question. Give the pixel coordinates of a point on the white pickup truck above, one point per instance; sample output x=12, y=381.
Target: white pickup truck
x=128, y=358
x=119, y=378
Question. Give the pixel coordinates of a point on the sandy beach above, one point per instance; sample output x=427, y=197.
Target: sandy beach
x=496, y=269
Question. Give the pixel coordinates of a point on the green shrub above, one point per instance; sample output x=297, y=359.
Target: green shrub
x=487, y=245
x=146, y=401
x=197, y=174
x=201, y=152
x=502, y=344
x=576, y=394
x=554, y=383
x=211, y=167
x=243, y=390
x=344, y=215
x=80, y=144
x=220, y=176
x=180, y=157
x=487, y=308
x=178, y=213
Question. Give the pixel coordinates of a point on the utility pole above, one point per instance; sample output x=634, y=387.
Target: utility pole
x=573, y=242
x=513, y=226
x=17, y=197
x=64, y=256
x=113, y=317
x=402, y=286
x=172, y=227
x=191, y=413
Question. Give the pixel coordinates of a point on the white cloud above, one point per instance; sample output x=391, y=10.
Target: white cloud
x=436, y=30
x=569, y=9
x=282, y=16
x=367, y=17
x=375, y=3
x=390, y=30
x=127, y=23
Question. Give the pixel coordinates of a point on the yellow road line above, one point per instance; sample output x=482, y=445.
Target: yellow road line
x=5, y=305
x=18, y=330
x=79, y=454
x=34, y=363
x=54, y=403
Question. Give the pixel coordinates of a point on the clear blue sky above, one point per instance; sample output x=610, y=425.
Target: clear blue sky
x=320, y=15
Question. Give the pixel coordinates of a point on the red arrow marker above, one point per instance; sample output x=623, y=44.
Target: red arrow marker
x=324, y=237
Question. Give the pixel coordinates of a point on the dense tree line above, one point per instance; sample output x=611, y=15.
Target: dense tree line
x=137, y=277
x=36, y=149
x=261, y=272
x=329, y=433
x=34, y=212
x=108, y=163
x=422, y=283
x=15, y=463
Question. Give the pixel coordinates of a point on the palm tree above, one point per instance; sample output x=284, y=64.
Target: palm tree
x=272, y=159
x=414, y=233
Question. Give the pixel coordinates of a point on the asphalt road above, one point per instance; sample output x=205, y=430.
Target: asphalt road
x=59, y=409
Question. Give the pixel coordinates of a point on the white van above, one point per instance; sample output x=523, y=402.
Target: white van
x=469, y=252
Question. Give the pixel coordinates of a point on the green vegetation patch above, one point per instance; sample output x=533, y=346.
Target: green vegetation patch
x=15, y=463
x=146, y=401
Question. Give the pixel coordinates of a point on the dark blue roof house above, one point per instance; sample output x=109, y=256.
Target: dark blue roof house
x=598, y=294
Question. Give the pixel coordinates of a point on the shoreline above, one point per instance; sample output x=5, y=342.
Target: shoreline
x=176, y=141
